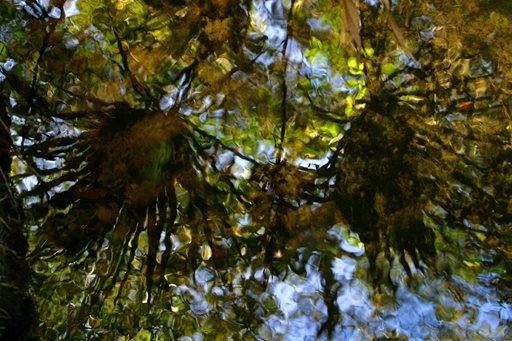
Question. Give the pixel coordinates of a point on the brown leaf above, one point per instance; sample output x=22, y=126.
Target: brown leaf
x=397, y=32
x=89, y=193
x=394, y=26
x=352, y=21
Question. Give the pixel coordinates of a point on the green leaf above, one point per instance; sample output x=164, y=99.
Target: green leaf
x=389, y=69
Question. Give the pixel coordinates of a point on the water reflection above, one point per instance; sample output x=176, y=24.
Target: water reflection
x=428, y=307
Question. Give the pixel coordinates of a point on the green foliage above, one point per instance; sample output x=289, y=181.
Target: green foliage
x=236, y=169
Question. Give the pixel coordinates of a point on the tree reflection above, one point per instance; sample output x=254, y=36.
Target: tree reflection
x=261, y=170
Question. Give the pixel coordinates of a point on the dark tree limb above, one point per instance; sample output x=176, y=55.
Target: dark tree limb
x=17, y=317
